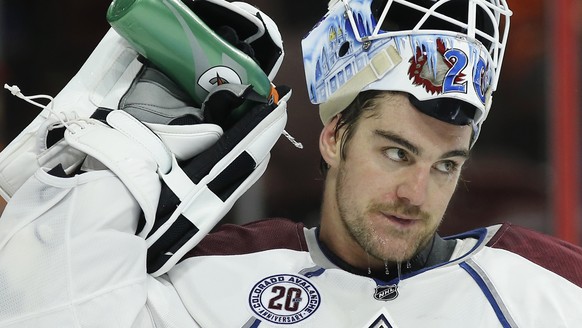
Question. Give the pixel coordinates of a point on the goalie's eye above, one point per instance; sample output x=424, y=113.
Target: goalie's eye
x=396, y=154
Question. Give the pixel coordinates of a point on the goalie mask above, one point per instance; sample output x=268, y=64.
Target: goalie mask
x=445, y=54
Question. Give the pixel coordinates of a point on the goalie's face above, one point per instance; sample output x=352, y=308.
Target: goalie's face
x=388, y=195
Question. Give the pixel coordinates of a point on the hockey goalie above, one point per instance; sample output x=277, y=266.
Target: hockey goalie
x=114, y=188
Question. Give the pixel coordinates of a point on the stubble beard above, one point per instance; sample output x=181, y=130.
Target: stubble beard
x=383, y=243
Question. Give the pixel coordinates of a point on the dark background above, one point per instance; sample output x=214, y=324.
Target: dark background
x=44, y=43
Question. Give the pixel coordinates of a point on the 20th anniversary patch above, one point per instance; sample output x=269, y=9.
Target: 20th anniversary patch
x=284, y=298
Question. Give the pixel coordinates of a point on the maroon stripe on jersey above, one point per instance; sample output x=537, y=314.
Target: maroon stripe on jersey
x=231, y=239
x=556, y=255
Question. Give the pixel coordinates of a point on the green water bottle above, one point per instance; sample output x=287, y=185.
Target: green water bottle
x=179, y=43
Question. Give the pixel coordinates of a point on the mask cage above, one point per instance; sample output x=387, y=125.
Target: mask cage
x=480, y=21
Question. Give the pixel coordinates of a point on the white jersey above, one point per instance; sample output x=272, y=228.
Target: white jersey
x=273, y=273
x=69, y=258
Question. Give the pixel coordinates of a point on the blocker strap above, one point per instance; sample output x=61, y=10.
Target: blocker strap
x=181, y=201
x=134, y=162
x=197, y=193
x=193, y=195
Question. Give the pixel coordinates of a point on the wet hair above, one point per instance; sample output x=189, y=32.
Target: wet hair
x=366, y=102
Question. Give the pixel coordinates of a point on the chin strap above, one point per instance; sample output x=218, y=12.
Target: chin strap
x=379, y=66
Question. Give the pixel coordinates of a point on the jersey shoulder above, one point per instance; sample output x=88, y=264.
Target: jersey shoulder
x=257, y=236
x=553, y=254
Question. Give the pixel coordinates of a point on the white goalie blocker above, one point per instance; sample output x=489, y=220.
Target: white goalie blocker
x=181, y=200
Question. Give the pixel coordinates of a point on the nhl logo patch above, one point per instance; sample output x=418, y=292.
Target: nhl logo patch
x=386, y=293
x=284, y=299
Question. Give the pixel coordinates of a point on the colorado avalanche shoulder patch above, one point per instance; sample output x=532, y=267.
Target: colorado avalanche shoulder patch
x=284, y=298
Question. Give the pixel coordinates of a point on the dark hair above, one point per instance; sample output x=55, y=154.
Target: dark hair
x=365, y=102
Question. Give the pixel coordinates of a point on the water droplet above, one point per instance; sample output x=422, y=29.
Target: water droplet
x=368, y=257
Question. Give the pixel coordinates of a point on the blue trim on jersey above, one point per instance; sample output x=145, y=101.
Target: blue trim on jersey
x=315, y=273
x=481, y=283
x=480, y=234
x=255, y=324
x=393, y=282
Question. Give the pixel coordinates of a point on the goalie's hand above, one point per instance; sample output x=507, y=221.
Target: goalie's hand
x=198, y=192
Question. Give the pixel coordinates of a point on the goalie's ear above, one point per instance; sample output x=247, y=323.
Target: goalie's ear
x=329, y=143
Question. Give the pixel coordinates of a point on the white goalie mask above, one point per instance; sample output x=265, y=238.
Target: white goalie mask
x=446, y=54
